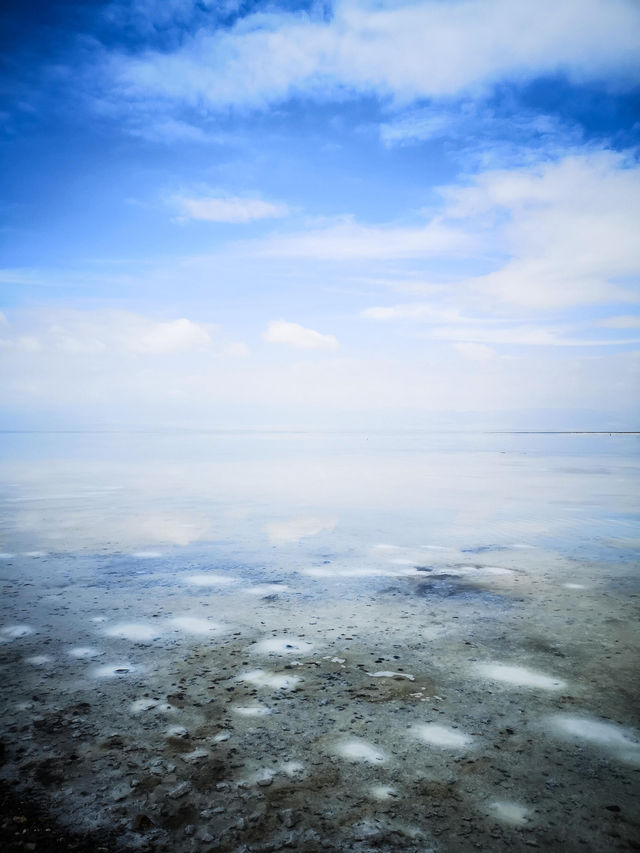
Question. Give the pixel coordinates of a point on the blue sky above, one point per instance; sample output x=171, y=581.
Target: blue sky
x=359, y=213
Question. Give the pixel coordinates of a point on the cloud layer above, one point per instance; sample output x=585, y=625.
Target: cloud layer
x=404, y=52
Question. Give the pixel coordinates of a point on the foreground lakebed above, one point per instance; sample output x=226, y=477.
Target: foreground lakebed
x=445, y=707
x=298, y=675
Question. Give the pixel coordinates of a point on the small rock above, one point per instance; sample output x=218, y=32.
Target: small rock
x=141, y=823
x=189, y=830
x=180, y=790
x=198, y=756
x=289, y=817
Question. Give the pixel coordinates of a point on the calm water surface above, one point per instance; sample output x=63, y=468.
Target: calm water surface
x=368, y=641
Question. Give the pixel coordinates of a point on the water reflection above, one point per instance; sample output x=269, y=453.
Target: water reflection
x=142, y=494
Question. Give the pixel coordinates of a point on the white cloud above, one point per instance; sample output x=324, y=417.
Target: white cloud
x=523, y=335
x=566, y=230
x=348, y=240
x=471, y=334
x=282, y=332
x=173, y=336
x=417, y=311
x=476, y=352
x=168, y=130
x=93, y=333
x=404, y=51
x=627, y=321
x=571, y=229
x=228, y=209
x=121, y=386
x=472, y=123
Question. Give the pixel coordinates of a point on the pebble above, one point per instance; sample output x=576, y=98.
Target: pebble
x=289, y=817
x=180, y=790
x=121, y=792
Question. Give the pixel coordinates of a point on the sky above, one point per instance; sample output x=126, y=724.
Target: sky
x=359, y=214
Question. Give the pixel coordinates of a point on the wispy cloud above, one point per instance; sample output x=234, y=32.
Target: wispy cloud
x=448, y=324
x=74, y=333
x=625, y=321
x=473, y=351
x=474, y=122
x=409, y=51
x=227, y=208
x=350, y=240
x=282, y=332
x=568, y=228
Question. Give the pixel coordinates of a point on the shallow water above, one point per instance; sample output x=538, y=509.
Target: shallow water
x=375, y=641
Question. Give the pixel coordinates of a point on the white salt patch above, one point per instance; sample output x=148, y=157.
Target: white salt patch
x=520, y=676
x=113, y=670
x=493, y=570
x=99, y=619
x=141, y=705
x=38, y=660
x=84, y=652
x=623, y=741
x=292, y=769
x=135, y=631
x=198, y=756
x=5, y=555
x=443, y=736
x=511, y=813
x=221, y=737
x=15, y=632
x=251, y=710
x=177, y=731
x=573, y=586
x=367, y=572
x=389, y=674
x=267, y=589
x=147, y=555
x=194, y=625
x=265, y=774
x=383, y=792
x=262, y=678
x=210, y=579
x=283, y=646
x=34, y=553
x=361, y=750
x=460, y=571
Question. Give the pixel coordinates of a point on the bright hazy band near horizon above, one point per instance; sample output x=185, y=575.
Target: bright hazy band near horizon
x=392, y=214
